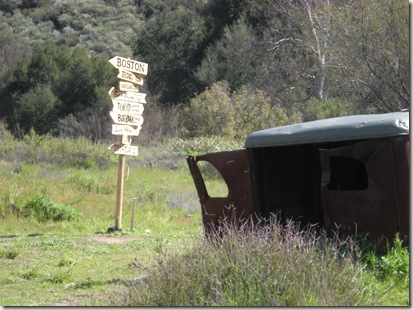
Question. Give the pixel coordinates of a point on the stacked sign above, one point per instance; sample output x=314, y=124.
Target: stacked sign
x=127, y=103
x=127, y=117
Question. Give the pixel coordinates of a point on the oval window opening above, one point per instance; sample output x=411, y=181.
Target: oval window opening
x=214, y=183
x=347, y=174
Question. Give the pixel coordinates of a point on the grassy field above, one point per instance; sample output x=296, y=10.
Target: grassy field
x=67, y=257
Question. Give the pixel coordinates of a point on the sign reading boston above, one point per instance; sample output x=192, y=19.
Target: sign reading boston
x=129, y=64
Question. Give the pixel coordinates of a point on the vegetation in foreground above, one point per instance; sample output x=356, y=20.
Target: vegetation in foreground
x=279, y=265
x=57, y=203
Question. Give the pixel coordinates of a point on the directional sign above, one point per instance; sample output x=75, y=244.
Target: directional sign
x=129, y=76
x=126, y=118
x=126, y=140
x=129, y=64
x=127, y=107
x=125, y=130
x=124, y=149
x=126, y=86
x=134, y=97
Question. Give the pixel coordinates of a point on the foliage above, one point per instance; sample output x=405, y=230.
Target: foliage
x=217, y=112
x=99, y=27
x=202, y=145
x=374, y=54
x=321, y=109
x=273, y=266
x=44, y=209
x=210, y=113
x=55, y=56
x=54, y=82
x=253, y=111
x=170, y=43
x=394, y=264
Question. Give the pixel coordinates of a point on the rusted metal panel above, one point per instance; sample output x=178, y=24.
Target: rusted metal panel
x=401, y=161
x=368, y=204
x=234, y=169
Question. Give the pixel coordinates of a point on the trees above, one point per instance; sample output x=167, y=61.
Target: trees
x=219, y=112
x=373, y=50
x=53, y=82
x=12, y=47
x=170, y=43
x=317, y=58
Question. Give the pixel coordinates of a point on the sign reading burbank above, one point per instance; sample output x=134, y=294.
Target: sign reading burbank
x=125, y=130
x=126, y=119
x=129, y=76
x=127, y=106
x=129, y=64
x=124, y=149
x=134, y=97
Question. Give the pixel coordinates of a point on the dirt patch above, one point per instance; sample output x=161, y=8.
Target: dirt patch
x=113, y=240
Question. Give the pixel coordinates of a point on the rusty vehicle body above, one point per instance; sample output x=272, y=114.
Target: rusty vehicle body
x=350, y=172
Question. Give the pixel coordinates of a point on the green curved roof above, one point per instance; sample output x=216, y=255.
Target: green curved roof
x=353, y=127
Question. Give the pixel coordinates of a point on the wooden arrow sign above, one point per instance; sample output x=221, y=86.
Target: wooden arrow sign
x=125, y=130
x=127, y=86
x=126, y=140
x=134, y=97
x=129, y=64
x=126, y=119
x=124, y=149
x=127, y=107
x=129, y=76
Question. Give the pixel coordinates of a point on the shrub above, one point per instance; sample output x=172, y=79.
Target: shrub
x=44, y=209
x=9, y=254
x=210, y=113
x=322, y=109
x=241, y=265
x=217, y=112
x=395, y=263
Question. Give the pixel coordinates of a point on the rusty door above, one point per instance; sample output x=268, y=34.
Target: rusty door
x=234, y=169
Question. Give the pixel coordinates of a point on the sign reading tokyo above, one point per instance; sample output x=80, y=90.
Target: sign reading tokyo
x=126, y=106
x=129, y=65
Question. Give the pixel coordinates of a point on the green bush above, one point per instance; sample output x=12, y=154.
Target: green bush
x=395, y=263
x=322, y=109
x=218, y=112
x=44, y=209
x=9, y=254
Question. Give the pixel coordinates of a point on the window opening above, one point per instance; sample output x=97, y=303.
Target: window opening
x=347, y=174
x=214, y=182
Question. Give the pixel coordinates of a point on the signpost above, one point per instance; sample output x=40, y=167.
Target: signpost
x=124, y=149
x=125, y=130
x=127, y=117
x=127, y=96
x=129, y=65
x=127, y=107
x=129, y=76
x=127, y=86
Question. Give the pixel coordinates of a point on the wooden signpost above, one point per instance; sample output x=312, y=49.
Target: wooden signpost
x=129, y=76
x=127, y=117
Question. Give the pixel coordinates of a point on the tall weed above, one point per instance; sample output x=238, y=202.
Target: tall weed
x=272, y=265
